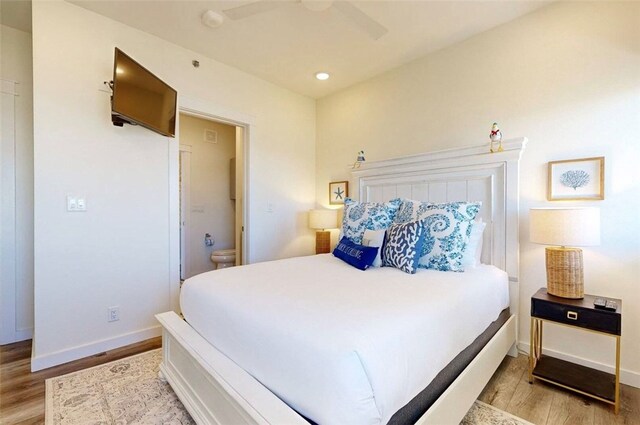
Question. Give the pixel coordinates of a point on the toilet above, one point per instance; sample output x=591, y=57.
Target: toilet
x=223, y=258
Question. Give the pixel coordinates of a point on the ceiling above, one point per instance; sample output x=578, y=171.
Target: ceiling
x=289, y=44
x=16, y=14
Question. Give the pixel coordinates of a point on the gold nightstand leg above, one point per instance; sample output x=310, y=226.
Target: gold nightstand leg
x=535, y=345
x=531, y=348
x=540, y=340
x=617, y=405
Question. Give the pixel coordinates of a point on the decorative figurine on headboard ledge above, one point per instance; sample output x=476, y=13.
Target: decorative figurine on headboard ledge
x=359, y=160
x=496, y=137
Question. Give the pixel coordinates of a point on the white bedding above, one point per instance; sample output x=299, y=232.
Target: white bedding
x=339, y=345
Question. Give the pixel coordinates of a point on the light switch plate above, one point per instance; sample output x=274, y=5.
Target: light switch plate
x=72, y=203
x=75, y=204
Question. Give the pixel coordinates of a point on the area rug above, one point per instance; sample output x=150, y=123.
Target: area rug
x=485, y=414
x=128, y=391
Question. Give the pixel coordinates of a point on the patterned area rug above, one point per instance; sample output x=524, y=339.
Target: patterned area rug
x=128, y=391
x=485, y=414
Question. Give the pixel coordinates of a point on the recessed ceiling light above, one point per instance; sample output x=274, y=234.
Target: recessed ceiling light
x=212, y=19
x=322, y=76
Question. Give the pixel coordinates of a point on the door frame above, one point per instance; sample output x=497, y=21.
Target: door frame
x=184, y=156
x=207, y=110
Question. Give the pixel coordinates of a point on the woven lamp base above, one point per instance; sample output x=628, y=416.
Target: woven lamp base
x=323, y=242
x=565, y=274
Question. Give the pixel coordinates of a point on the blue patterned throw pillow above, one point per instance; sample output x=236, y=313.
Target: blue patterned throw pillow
x=359, y=256
x=447, y=231
x=361, y=216
x=403, y=245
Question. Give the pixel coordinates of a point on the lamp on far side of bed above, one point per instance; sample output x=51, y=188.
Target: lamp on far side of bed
x=565, y=228
x=321, y=220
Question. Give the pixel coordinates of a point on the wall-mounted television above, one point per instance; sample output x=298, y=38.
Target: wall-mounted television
x=141, y=98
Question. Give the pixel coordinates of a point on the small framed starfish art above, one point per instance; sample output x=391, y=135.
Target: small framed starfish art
x=337, y=192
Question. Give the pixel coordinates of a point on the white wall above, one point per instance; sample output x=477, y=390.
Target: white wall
x=17, y=66
x=117, y=253
x=211, y=210
x=568, y=78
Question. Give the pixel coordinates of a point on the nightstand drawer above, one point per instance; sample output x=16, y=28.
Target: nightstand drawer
x=603, y=321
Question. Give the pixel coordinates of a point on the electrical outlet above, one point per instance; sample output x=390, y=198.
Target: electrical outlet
x=114, y=314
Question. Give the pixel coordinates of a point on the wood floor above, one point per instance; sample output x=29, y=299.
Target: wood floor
x=545, y=404
x=22, y=392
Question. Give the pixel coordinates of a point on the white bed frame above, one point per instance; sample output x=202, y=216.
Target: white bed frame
x=217, y=391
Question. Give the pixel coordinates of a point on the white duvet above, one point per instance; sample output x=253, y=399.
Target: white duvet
x=340, y=345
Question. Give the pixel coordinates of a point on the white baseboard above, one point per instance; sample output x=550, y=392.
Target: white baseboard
x=627, y=377
x=59, y=357
x=17, y=336
x=24, y=334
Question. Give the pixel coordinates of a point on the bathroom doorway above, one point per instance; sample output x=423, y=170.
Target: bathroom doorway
x=211, y=171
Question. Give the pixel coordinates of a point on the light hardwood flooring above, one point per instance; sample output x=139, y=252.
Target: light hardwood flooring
x=545, y=404
x=22, y=392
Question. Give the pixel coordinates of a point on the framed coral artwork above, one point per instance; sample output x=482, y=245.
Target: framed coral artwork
x=576, y=180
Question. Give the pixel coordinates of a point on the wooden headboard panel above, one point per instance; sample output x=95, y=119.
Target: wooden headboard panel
x=461, y=174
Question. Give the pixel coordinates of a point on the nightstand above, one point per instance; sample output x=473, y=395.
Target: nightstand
x=577, y=314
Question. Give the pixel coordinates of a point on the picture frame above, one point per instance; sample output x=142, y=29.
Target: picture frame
x=338, y=191
x=576, y=179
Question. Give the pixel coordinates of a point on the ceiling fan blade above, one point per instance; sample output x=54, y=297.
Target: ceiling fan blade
x=361, y=19
x=254, y=8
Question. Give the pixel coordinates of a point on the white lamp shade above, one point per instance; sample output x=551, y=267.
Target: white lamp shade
x=323, y=219
x=565, y=226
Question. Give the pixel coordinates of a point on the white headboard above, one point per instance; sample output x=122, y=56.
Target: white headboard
x=461, y=174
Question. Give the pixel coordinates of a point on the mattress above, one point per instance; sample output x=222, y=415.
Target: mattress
x=413, y=411
x=339, y=345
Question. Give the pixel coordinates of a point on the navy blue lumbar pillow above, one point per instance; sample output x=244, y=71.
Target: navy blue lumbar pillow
x=359, y=256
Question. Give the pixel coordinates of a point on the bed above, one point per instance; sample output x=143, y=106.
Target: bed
x=289, y=341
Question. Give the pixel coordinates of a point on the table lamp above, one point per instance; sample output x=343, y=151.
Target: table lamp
x=322, y=220
x=565, y=228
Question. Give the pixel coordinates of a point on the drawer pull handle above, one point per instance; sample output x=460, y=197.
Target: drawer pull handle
x=572, y=315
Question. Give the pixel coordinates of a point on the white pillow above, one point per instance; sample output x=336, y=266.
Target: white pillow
x=374, y=238
x=473, y=251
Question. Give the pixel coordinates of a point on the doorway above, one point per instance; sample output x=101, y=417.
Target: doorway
x=211, y=194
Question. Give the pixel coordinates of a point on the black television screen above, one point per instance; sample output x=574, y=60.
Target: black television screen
x=139, y=97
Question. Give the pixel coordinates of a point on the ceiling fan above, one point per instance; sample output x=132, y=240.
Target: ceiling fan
x=348, y=9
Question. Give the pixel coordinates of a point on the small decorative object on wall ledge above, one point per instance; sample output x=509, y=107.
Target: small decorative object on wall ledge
x=359, y=160
x=337, y=192
x=496, y=137
x=576, y=179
